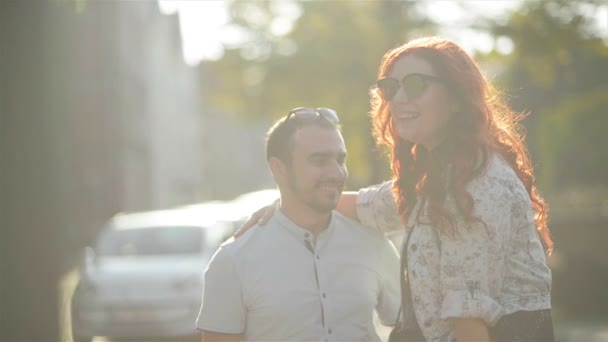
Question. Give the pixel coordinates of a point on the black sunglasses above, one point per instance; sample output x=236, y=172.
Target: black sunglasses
x=414, y=85
x=305, y=112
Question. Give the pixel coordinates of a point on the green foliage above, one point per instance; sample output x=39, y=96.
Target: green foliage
x=572, y=138
x=557, y=72
x=330, y=58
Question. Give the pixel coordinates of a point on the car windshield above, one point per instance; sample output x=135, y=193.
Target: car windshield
x=151, y=241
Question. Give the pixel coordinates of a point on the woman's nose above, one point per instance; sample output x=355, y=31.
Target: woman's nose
x=400, y=95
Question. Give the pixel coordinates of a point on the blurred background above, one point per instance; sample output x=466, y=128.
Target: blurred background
x=122, y=106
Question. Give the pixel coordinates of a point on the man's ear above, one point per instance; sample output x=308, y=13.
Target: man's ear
x=278, y=168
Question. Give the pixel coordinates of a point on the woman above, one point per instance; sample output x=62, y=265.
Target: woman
x=463, y=188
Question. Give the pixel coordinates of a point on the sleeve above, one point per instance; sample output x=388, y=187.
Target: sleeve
x=389, y=298
x=376, y=208
x=222, y=309
x=472, y=262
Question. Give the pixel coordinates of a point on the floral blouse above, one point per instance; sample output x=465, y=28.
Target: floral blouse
x=481, y=271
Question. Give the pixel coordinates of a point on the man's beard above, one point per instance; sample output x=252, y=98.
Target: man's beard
x=312, y=202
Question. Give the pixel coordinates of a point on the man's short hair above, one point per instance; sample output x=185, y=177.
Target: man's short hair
x=279, y=139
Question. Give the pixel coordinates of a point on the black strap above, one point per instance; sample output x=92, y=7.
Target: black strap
x=407, y=308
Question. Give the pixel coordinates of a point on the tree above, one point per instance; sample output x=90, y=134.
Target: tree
x=557, y=72
x=330, y=58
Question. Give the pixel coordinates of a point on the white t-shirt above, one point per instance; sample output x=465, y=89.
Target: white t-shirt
x=276, y=283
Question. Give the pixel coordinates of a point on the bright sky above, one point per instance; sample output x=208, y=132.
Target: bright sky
x=201, y=26
x=204, y=31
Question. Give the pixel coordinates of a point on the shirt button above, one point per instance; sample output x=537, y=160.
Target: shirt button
x=318, y=257
x=329, y=331
x=324, y=295
x=307, y=235
x=414, y=247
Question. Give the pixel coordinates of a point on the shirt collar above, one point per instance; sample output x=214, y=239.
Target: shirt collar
x=298, y=231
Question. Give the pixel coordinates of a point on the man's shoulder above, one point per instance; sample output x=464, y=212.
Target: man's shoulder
x=371, y=244
x=258, y=237
x=234, y=246
x=357, y=229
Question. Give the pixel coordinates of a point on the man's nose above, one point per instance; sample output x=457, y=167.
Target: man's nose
x=338, y=171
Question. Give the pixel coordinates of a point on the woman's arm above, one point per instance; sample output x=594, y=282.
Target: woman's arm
x=209, y=336
x=470, y=329
x=347, y=204
x=373, y=207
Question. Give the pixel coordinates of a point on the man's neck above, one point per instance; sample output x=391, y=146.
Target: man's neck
x=307, y=218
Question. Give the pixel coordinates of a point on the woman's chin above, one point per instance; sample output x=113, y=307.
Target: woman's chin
x=407, y=135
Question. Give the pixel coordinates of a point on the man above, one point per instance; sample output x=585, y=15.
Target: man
x=310, y=273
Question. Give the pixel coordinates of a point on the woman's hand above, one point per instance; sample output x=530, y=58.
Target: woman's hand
x=470, y=329
x=259, y=217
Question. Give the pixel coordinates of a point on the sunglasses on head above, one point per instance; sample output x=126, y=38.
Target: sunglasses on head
x=305, y=112
x=414, y=85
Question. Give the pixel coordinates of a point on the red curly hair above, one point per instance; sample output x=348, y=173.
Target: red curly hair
x=485, y=125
